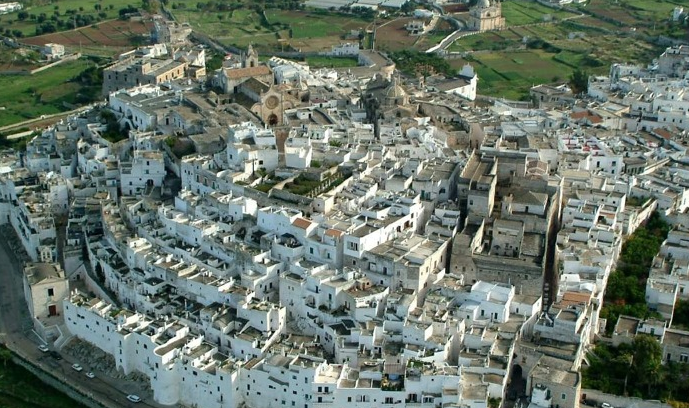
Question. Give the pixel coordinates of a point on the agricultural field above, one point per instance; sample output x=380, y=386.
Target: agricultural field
x=237, y=27
x=106, y=39
x=314, y=31
x=20, y=59
x=520, y=12
x=305, y=25
x=301, y=30
x=331, y=62
x=637, y=13
x=30, y=96
x=508, y=74
x=392, y=36
x=62, y=15
x=493, y=40
x=509, y=62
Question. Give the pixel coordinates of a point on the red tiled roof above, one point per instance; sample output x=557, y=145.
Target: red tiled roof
x=334, y=233
x=302, y=223
x=663, y=133
x=235, y=73
x=573, y=298
x=595, y=119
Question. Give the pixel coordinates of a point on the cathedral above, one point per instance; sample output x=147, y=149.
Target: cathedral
x=486, y=16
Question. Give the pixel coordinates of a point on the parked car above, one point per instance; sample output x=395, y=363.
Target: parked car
x=77, y=367
x=90, y=374
x=606, y=405
x=133, y=398
x=43, y=348
x=54, y=354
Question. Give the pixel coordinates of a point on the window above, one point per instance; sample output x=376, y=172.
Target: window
x=564, y=396
x=51, y=292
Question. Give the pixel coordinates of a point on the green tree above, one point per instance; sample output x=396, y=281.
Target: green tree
x=680, y=316
x=579, y=81
x=151, y=6
x=5, y=356
x=647, y=361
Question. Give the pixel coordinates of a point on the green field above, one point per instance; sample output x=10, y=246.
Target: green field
x=330, y=62
x=510, y=74
x=239, y=27
x=21, y=389
x=486, y=41
x=64, y=10
x=509, y=62
x=302, y=29
x=30, y=96
x=637, y=13
x=311, y=25
x=520, y=12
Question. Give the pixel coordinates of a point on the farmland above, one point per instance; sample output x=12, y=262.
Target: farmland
x=107, y=38
x=61, y=16
x=30, y=96
x=526, y=12
x=393, y=36
x=331, y=62
x=509, y=62
x=301, y=30
x=508, y=74
x=636, y=13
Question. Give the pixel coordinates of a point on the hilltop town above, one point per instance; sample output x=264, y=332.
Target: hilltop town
x=267, y=234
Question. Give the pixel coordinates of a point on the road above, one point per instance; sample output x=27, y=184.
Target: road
x=45, y=120
x=16, y=332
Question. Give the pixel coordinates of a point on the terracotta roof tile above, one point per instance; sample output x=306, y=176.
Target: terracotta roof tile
x=334, y=233
x=663, y=133
x=235, y=73
x=573, y=298
x=302, y=223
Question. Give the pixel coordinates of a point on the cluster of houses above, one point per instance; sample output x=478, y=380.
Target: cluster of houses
x=6, y=8
x=338, y=237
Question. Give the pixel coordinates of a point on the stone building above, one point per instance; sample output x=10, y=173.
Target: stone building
x=136, y=72
x=45, y=285
x=230, y=79
x=486, y=16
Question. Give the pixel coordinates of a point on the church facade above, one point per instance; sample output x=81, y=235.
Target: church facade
x=486, y=16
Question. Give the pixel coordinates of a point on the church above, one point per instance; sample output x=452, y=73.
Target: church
x=486, y=16
x=255, y=81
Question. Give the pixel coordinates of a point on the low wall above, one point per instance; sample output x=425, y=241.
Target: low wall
x=79, y=395
x=58, y=62
x=617, y=401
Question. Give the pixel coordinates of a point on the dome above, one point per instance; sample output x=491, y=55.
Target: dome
x=395, y=90
x=483, y=4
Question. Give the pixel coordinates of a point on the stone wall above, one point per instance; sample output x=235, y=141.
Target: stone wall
x=76, y=393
